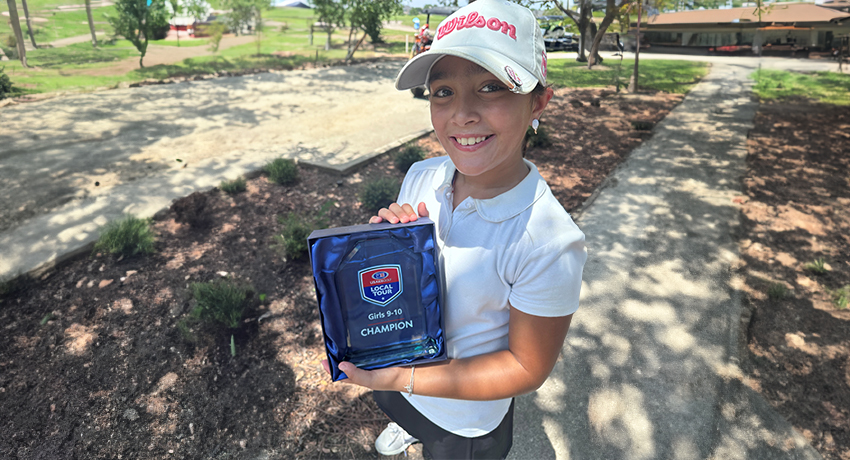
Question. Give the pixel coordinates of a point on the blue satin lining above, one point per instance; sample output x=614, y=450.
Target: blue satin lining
x=327, y=253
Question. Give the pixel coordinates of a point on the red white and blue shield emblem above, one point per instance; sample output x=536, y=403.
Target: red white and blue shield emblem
x=380, y=285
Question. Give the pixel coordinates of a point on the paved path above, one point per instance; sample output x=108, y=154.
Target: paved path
x=69, y=165
x=650, y=370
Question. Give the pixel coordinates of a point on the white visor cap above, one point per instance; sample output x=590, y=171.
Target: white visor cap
x=500, y=36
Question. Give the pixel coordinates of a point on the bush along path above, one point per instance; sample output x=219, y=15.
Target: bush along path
x=122, y=354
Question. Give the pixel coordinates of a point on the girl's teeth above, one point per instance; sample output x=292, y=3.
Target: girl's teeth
x=470, y=140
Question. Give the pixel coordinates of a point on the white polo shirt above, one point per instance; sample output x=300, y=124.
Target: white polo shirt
x=518, y=249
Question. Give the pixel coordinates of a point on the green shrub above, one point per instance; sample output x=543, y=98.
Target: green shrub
x=5, y=84
x=818, y=267
x=777, y=291
x=841, y=297
x=292, y=240
x=215, y=30
x=541, y=139
x=283, y=171
x=405, y=158
x=378, y=194
x=127, y=236
x=233, y=186
x=10, y=46
x=220, y=302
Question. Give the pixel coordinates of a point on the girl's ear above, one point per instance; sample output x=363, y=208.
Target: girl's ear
x=541, y=101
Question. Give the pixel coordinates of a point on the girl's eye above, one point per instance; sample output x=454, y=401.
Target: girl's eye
x=442, y=92
x=492, y=88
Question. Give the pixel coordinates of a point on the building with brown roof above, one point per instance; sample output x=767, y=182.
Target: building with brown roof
x=779, y=28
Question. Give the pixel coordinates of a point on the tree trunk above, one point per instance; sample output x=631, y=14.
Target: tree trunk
x=351, y=53
x=29, y=23
x=91, y=24
x=144, y=49
x=16, y=27
x=633, y=83
x=577, y=19
x=610, y=14
x=586, y=12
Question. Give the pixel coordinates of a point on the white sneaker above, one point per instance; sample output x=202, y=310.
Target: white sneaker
x=393, y=440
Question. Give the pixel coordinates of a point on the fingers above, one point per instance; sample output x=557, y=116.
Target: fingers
x=423, y=210
x=397, y=213
x=355, y=375
x=327, y=366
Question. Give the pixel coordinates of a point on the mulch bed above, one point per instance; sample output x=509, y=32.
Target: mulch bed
x=94, y=362
x=796, y=209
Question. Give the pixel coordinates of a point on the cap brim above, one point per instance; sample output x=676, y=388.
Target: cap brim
x=415, y=72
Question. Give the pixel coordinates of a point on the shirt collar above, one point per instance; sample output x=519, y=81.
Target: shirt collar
x=504, y=206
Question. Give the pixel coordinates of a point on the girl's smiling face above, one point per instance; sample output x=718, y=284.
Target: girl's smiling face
x=480, y=122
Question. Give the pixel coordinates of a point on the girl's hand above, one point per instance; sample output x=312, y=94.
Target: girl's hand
x=397, y=213
x=389, y=379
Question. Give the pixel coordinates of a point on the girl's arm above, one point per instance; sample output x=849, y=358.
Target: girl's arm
x=534, y=345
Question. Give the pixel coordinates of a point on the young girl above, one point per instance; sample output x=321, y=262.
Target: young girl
x=512, y=257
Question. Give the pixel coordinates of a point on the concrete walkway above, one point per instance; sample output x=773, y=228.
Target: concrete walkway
x=71, y=164
x=650, y=370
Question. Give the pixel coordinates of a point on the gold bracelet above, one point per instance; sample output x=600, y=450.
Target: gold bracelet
x=409, y=386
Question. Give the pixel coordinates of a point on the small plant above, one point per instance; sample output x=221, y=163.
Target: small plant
x=216, y=31
x=541, y=139
x=46, y=318
x=405, y=158
x=841, y=297
x=10, y=46
x=818, y=266
x=292, y=241
x=234, y=186
x=5, y=84
x=262, y=298
x=378, y=194
x=777, y=291
x=220, y=302
x=282, y=170
x=127, y=236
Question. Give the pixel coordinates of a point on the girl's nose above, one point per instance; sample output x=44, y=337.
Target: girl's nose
x=466, y=111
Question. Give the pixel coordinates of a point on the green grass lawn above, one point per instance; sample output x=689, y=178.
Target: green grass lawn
x=61, y=24
x=82, y=55
x=663, y=75
x=827, y=87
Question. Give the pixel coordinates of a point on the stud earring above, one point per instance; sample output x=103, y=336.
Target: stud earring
x=534, y=124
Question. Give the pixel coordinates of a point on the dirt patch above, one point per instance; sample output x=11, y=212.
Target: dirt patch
x=796, y=209
x=94, y=362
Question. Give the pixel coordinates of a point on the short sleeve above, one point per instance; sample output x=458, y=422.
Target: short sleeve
x=548, y=281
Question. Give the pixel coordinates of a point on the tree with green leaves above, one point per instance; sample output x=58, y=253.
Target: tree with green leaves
x=368, y=16
x=244, y=14
x=331, y=13
x=138, y=20
x=15, y=21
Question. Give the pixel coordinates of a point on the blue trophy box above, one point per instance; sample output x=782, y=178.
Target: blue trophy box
x=379, y=289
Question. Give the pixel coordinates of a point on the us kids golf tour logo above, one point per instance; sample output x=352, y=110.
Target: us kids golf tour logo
x=380, y=285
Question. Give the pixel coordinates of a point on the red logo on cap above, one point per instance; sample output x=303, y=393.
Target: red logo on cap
x=513, y=76
x=545, y=65
x=476, y=20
